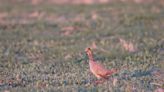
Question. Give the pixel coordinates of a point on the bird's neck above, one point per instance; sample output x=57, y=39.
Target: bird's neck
x=90, y=55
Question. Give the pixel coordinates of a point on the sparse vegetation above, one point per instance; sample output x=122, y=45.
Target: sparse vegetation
x=42, y=46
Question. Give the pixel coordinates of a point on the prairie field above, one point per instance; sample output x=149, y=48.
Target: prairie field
x=42, y=46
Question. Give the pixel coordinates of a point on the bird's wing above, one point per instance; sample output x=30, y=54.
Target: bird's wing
x=102, y=71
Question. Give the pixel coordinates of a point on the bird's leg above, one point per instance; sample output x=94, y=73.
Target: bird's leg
x=110, y=86
x=90, y=78
x=100, y=81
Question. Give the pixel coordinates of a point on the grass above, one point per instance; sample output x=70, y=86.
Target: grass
x=36, y=54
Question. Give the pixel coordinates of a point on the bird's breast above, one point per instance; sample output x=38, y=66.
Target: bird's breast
x=93, y=69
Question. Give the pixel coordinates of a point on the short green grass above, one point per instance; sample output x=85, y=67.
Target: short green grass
x=37, y=55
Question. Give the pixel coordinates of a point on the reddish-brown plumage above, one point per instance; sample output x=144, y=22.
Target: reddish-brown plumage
x=98, y=69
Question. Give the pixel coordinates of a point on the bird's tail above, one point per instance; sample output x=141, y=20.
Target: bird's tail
x=112, y=71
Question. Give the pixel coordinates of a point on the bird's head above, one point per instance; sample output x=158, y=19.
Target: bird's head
x=88, y=51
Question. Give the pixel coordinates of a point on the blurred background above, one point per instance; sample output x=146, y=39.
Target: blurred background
x=80, y=1
x=42, y=45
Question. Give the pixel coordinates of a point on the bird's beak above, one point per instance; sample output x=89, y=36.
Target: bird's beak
x=86, y=50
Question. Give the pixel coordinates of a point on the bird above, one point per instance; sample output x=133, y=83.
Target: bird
x=97, y=68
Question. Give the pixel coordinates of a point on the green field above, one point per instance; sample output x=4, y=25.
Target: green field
x=42, y=47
